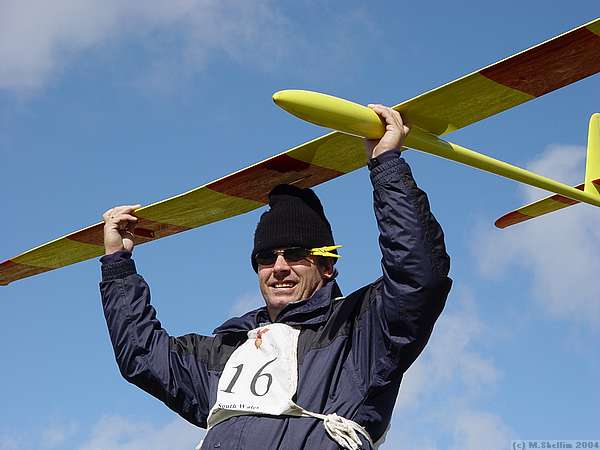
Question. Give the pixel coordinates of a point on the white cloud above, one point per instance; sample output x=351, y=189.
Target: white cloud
x=476, y=430
x=38, y=38
x=565, y=163
x=558, y=251
x=119, y=433
x=9, y=442
x=450, y=358
x=408, y=442
x=56, y=435
x=435, y=408
x=108, y=433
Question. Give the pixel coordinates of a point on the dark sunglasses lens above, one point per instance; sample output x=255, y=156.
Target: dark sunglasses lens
x=266, y=257
x=295, y=254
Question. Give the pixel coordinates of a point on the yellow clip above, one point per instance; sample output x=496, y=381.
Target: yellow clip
x=325, y=251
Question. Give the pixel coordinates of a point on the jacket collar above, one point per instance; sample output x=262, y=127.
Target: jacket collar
x=312, y=311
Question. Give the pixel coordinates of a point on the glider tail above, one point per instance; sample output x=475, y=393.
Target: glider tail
x=556, y=202
x=592, y=163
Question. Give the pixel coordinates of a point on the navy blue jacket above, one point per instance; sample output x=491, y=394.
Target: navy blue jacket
x=352, y=352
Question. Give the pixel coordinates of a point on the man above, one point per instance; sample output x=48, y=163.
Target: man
x=311, y=369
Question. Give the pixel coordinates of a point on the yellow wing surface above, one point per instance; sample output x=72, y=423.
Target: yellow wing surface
x=541, y=69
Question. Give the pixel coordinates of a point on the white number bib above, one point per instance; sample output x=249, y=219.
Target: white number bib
x=261, y=377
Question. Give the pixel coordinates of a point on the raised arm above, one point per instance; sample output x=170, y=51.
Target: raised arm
x=415, y=265
x=174, y=370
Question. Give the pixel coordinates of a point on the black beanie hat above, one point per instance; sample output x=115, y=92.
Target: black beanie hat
x=295, y=219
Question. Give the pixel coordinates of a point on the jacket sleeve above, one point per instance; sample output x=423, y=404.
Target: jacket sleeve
x=408, y=299
x=174, y=370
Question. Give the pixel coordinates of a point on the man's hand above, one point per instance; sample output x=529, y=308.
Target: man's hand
x=118, y=226
x=395, y=132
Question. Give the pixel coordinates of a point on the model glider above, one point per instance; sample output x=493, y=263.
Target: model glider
x=546, y=67
x=358, y=120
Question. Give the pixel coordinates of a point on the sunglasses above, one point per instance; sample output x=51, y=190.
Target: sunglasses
x=294, y=254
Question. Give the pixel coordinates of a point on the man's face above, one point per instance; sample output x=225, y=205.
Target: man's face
x=284, y=282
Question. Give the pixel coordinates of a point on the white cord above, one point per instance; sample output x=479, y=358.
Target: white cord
x=342, y=430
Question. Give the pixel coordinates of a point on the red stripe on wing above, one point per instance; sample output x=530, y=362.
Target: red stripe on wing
x=11, y=271
x=550, y=66
x=145, y=231
x=256, y=182
x=565, y=200
x=511, y=219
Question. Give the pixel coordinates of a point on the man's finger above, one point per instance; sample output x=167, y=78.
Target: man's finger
x=376, y=107
x=125, y=218
x=107, y=214
x=386, y=113
x=397, y=117
x=395, y=131
x=120, y=220
x=125, y=209
x=113, y=212
x=394, y=116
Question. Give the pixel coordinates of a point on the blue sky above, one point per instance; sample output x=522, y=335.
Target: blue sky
x=107, y=103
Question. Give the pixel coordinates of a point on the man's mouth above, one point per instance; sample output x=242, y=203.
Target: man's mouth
x=283, y=285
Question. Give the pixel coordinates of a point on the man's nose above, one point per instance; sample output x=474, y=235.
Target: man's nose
x=281, y=264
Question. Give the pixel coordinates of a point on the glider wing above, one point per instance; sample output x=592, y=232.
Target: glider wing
x=532, y=73
x=539, y=208
x=307, y=165
x=551, y=65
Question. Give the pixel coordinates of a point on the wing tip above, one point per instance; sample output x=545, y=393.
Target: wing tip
x=512, y=218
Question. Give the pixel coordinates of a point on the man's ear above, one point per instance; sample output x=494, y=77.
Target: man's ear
x=327, y=269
